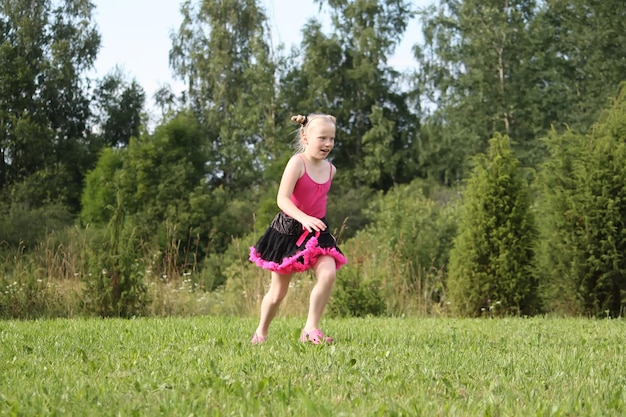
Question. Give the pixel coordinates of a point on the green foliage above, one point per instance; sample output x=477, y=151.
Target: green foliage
x=403, y=251
x=492, y=253
x=221, y=51
x=381, y=158
x=346, y=74
x=558, y=224
x=45, y=49
x=356, y=296
x=99, y=195
x=161, y=179
x=579, y=68
x=236, y=220
x=347, y=213
x=266, y=210
x=477, y=66
x=583, y=240
x=21, y=225
x=519, y=67
x=119, y=104
x=219, y=268
x=417, y=229
x=160, y=170
x=115, y=282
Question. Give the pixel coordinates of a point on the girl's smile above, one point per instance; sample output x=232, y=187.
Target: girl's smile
x=320, y=138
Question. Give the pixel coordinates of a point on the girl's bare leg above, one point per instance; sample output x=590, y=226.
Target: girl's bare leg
x=325, y=271
x=271, y=301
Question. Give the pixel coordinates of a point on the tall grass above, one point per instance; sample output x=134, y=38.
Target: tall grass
x=45, y=280
x=49, y=281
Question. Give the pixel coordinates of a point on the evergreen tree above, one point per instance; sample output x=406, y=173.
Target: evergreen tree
x=582, y=261
x=558, y=224
x=490, y=263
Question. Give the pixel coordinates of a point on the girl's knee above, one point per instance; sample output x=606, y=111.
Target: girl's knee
x=278, y=298
x=279, y=286
x=327, y=273
x=326, y=262
x=278, y=292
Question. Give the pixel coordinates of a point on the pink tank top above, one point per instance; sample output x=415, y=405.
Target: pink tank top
x=310, y=196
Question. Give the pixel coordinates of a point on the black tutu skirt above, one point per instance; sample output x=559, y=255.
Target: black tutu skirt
x=286, y=247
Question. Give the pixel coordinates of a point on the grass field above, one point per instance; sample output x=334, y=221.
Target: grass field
x=378, y=367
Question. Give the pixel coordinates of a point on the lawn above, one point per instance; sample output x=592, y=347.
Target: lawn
x=378, y=367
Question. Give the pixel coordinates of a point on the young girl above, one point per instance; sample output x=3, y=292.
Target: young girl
x=298, y=238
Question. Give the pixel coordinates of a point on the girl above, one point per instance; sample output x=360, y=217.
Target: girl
x=298, y=238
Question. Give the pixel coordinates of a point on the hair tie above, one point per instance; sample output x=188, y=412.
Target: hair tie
x=304, y=122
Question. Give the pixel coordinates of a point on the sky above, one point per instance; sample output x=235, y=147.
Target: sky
x=136, y=37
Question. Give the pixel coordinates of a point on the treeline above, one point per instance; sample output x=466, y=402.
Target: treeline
x=486, y=180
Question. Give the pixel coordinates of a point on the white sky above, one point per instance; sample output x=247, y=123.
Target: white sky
x=136, y=36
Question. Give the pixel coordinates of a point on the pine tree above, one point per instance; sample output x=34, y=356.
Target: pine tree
x=582, y=262
x=490, y=263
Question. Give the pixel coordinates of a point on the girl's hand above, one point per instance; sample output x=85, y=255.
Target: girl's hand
x=313, y=224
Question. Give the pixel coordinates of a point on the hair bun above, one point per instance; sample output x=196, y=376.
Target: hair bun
x=300, y=119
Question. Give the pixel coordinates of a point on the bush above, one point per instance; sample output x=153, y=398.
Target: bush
x=24, y=226
x=492, y=254
x=355, y=295
x=115, y=284
x=403, y=252
x=582, y=246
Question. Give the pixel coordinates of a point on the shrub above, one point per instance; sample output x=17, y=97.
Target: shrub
x=492, y=254
x=22, y=225
x=355, y=295
x=583, y=240
x=403, y=252
x=115, y=284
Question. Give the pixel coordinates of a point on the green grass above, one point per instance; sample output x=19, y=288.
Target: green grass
x=378, y=367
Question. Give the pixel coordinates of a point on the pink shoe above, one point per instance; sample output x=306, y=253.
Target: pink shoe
x=258, y=339
x=316, y=337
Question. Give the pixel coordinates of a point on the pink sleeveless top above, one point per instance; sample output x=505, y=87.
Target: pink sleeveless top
x=310, y=196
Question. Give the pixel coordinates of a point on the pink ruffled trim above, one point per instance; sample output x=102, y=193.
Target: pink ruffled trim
x=310, y=253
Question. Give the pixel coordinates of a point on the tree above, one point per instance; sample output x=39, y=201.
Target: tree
x=491, y=259
x=582, y=58
x=221, y=52
x=119, y=106
x=45, y=47
x=581, y=254
x=154, y=172
x=160, y=171
x=476, y=70
x=346, y=74
x=519, y=67
x=159, y=183
x=99, y=196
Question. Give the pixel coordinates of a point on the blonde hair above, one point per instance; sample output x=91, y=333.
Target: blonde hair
x=305, y=122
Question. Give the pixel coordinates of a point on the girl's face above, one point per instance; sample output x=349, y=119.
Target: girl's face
x=319, y=138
